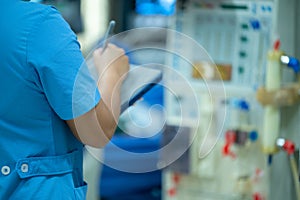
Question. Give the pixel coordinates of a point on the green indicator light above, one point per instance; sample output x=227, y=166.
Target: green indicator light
x=244, y=26
x=244, y=39
x=241, y=70
x=243, y=54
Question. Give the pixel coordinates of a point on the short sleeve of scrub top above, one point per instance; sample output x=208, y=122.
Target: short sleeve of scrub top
x=61, y=73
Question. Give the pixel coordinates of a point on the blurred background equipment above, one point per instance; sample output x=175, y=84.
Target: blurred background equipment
x=70, y=10
x=234, y=155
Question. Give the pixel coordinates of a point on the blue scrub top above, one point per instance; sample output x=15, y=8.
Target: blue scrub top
x=42, y=83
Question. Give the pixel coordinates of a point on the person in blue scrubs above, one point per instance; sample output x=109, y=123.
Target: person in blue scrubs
x=50, y=106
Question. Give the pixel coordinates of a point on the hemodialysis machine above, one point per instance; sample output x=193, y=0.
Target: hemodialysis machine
x=231, y=101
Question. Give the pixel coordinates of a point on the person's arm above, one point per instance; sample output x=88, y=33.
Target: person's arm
x=58, y=71
x=96, y=127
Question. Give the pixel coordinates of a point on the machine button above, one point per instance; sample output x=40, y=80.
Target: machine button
x=255, y=24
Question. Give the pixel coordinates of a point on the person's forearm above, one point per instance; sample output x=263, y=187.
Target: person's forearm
x=97, y=126
x=108, y=109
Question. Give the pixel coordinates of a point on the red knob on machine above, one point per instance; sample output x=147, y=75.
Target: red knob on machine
x=230, y=138
x=289, y=147
x=257, y=196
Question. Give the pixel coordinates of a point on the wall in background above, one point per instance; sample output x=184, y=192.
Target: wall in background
x=95, y=20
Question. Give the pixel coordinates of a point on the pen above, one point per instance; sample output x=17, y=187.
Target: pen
x=107, y=34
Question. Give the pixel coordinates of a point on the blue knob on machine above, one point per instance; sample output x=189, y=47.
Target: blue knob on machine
x=255, y=24
x=240, y=104
x=244, y=105
x=253, y=136
x=294, y=64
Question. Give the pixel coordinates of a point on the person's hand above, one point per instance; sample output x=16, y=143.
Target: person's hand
x=112, y=63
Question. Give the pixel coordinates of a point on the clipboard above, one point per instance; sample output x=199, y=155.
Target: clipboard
x=139, y=81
